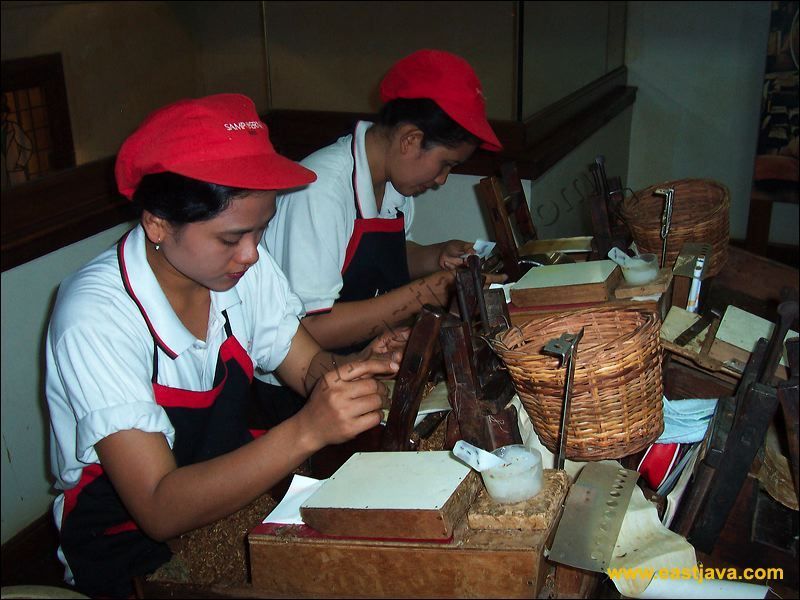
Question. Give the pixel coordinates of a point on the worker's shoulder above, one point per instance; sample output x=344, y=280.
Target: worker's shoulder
x=332, y=164
x=94, y=297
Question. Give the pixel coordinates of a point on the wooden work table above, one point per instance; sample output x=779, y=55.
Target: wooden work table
x=495, y=551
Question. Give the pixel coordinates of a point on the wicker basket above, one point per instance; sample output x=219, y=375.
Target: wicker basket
x=700, y=213
x=616, y=406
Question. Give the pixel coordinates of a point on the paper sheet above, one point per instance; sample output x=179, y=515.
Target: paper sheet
x=743, y=330
x=645, y=546
x=483, y=248
x=506, y=287
x=288, y=510
x=707, y=588
x=674, y=496
x=435, y=401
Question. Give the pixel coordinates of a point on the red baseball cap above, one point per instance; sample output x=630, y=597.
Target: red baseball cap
x=449, y=81
x=218, y=139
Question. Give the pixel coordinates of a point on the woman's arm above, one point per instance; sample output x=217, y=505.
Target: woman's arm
x=166, y=501
x=352, y=322
x=424, y=260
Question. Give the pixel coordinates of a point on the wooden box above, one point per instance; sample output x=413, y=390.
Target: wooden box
x=569, y=283
x=295, y=560
x=410, y=495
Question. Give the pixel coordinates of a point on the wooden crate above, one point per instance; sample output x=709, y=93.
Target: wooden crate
x=474, y=563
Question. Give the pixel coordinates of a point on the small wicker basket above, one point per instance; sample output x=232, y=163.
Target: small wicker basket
x=616, y=405
x=700, y=213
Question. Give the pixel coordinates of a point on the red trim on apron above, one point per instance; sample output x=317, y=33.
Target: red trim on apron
x=88, y=475
x=169, y=397
x=353, y=175
x=363, y=226
x=121, y=528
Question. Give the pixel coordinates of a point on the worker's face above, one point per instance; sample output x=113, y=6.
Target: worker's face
x=419, y=169
x=217, y=253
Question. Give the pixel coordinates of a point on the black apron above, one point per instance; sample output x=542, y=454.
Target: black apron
x=103, y=546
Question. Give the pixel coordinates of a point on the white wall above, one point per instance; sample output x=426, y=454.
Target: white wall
x=557, y=198
x=28, y=292
x=699, y=69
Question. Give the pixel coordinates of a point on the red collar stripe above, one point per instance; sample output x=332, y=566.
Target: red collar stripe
x=129, y=288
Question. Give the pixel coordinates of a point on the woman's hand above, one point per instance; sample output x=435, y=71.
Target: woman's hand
x=346, y=401
x=452, y=254
x=389, y=345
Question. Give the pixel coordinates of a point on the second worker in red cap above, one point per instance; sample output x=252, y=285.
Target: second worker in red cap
x=341, y=241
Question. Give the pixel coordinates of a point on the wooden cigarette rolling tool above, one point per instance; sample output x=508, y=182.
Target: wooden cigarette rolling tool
x=421, y=356
x=479, y=388
x=603, y=202
x=415, y=370
x=736, y=433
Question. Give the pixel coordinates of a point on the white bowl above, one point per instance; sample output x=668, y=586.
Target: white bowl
x=519, y=478
x=641, y=269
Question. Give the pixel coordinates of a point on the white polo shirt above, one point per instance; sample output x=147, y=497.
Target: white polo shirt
x=99, y=350
x=309, y=233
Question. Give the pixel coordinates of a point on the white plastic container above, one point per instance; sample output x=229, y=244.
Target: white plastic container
x=519, y=478
x=640, y=269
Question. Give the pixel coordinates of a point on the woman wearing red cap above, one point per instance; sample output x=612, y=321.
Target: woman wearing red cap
x=342, y=240
x=152, y=346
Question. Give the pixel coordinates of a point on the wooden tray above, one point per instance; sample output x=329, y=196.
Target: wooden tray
x=658, y=286
x=565, y=284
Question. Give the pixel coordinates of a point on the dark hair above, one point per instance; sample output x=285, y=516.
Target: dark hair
x=180, y=199
x=438, y=128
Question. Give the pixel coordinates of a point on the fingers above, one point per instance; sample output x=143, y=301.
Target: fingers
x=401, y=334
x=388, y=341
x=459, y=247
x=364, y=368
x=453, y=262
x=396, y=338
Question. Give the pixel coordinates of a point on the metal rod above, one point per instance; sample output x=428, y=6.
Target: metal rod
x=463, y=307
x=564, y=347
x=600, y=161
x=474, y=264
x=666, y=219
x=562, y=436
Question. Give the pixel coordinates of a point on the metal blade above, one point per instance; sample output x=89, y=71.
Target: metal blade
x=592, y=518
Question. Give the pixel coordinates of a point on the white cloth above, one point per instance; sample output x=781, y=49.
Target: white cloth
x=99, y=350
x=312, y=226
